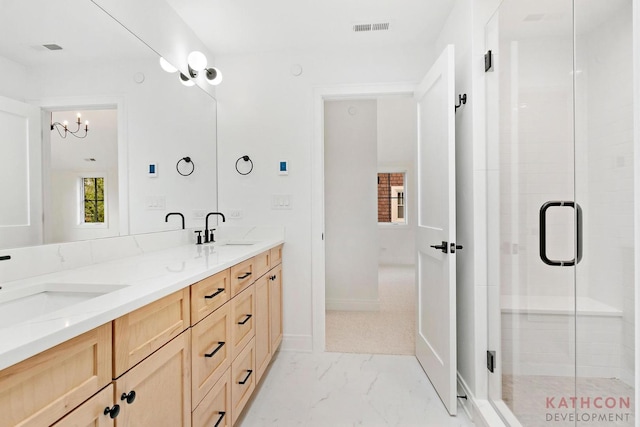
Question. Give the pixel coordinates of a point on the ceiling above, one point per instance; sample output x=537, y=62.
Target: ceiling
x=247, y=26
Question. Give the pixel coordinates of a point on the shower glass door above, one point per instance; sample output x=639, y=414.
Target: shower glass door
x=561, y=249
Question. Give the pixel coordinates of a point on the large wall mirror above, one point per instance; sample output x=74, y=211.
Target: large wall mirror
x=64, y=58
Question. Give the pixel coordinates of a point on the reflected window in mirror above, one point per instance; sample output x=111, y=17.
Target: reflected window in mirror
x=93, y=198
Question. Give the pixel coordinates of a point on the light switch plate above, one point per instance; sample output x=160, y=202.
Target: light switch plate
x=281, y=201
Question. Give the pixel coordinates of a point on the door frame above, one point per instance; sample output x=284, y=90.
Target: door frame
x=320, y=95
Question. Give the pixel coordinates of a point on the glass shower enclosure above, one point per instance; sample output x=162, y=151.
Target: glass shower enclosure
x=560, y=132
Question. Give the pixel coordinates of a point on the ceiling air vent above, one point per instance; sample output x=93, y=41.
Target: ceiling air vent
x=381, y=26
x=52, y=46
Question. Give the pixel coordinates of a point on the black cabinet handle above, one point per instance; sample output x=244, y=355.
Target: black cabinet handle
x=274, y=277
x=444, y=246
x=543, y=233
x=245, y=320
x=216, y=293
x=129, y=397
x=215, y=350
x=112, y=412
x=222, y=414
x=244, y=276
x=249, y=372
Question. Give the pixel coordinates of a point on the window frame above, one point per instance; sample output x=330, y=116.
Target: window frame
x=81, y=201
x=405, y=173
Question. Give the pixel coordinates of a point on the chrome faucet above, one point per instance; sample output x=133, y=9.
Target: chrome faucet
x=166, y=218
x=208, y=239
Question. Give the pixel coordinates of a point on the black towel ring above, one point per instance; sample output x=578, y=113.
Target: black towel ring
x=246, y=159
x=186, y=160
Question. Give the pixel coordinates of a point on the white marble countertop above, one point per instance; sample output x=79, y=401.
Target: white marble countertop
x=148, y=277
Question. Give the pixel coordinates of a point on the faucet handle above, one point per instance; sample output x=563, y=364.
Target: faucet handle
x=199, y=237
x=211, y=237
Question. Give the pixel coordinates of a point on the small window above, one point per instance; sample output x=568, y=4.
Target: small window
x=391, y=198
x=93, y=198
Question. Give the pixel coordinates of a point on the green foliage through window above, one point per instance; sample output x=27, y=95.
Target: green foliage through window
x=93, y=200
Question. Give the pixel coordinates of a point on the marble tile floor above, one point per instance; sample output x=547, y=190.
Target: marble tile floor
x=345, y=389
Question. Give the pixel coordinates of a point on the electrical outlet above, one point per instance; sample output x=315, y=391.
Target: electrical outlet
x=155, y=203
x=236, y=214
x=281, y=201
x=198, y=214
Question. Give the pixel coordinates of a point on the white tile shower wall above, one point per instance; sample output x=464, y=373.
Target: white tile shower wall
x=38, y=260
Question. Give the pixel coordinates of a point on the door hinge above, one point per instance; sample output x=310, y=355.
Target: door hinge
x=491, y=360
x=488, y=61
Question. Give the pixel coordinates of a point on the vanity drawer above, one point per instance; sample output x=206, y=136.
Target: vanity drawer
x=261, y=264
x=210, y=352
x=276, y=256
x=209, y=294
x=243, y=309
x=242, y=275
x=45, y=387
x=243, y=380
x=138, y=334
x=215, y=408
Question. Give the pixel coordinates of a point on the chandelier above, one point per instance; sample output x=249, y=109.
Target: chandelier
x=63, y=128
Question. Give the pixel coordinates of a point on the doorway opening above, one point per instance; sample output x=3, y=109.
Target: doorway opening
x=370, y=272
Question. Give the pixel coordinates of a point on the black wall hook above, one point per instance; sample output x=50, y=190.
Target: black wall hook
x=462, y=99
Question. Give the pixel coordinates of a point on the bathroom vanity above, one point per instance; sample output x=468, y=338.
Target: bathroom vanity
x=183, y=340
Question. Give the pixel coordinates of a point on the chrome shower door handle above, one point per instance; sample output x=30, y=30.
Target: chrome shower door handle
x=543, y=233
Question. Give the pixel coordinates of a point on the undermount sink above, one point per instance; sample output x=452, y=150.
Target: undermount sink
x=24, y=303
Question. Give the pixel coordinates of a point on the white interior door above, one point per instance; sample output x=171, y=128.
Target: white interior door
x=436, y=235
x=20, y=174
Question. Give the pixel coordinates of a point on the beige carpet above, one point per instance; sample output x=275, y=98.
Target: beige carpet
x=388, y=331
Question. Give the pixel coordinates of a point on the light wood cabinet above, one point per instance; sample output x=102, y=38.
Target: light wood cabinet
x=242, y=275
x=215, y=408
x=275, y=307
x=157, y=392
x=261, y=264
x=209, y=294
x=211, y=351
x=276, y=255
x=262, y=340
x=93, y=412
x=243, y=380
x=45, y=387
x=143, y=331
x=243, y=308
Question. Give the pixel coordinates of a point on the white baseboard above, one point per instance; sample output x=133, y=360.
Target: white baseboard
x=302, y=343
x=352, y=305
x=480, y=411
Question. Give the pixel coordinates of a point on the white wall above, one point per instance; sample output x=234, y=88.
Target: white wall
x=397, y=136
x=351, y=214
x=266, y=112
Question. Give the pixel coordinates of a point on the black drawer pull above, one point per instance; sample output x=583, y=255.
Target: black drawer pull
x=244, y=276
x=245, y=320
x=215, y=350
x=249, y=372
x=215, y=294
x=112, y=412
x=222, y=414
x=129, y=397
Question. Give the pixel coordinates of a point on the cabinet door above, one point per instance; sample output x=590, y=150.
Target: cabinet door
x=45, y=387
x=243, y=308
x=92, y=412
x=215, y=408
x=143, y=331
x=275, y=307
x=210, y=351
x=243, y=380
x=159, y=388
x=263, y=344
x=209, y=294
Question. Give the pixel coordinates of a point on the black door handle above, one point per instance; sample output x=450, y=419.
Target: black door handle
x=444, y=247
x=543, y=233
